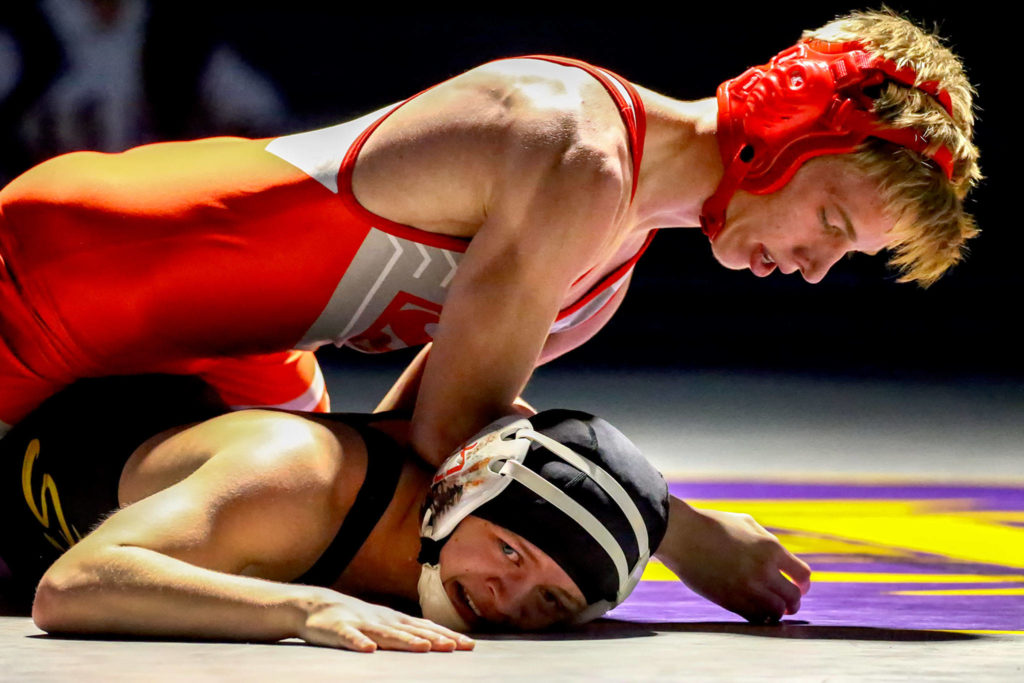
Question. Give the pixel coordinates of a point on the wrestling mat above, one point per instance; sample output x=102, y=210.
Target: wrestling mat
x=894, y=557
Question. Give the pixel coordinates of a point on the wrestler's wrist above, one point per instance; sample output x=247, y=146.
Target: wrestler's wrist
x=675, y=546
x=304, y=602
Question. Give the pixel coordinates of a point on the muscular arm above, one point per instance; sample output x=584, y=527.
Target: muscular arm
x=200, y=558
x=506, y=295
x=531, y=161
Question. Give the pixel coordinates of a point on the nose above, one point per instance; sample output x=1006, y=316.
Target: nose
x=814, y=262
x=508, y=594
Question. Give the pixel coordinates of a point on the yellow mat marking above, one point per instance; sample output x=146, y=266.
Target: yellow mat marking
x=936, y=527
x=964, y=591
x=908, y=531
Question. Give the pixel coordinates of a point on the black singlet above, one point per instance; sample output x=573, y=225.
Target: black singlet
x=383, y=467
x=60, y=468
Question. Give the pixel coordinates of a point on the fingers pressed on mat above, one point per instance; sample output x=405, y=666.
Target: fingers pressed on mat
x=396, y=638
x=406, y=642
x=765, y=608
x=797, y=570
x=437, y=641
x=789, y=592
x=353, y=639
x=460, y=638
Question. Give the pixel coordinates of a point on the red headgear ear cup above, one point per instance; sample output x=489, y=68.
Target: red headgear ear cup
x=809, y=100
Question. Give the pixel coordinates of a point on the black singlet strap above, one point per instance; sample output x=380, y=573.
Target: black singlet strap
x=384, y=459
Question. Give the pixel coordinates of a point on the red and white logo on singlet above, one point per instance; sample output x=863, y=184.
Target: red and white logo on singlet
x=408, y=320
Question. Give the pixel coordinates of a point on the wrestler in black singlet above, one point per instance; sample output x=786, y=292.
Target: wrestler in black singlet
x=60, y=468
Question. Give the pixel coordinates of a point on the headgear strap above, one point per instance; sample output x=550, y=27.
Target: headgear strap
x=807, y=101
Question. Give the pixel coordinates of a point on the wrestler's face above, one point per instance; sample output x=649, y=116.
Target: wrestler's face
x=829, y=209
x=495, y=576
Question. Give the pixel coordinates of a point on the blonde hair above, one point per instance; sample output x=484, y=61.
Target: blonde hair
x=931, y=225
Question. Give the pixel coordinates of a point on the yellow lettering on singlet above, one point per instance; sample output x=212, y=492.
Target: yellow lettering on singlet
x=48, y=487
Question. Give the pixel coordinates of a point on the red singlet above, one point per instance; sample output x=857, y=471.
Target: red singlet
x=226, y=258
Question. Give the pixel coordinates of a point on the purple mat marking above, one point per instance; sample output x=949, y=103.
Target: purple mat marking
x=834, y=604
x=858, y=604
x=930, y=565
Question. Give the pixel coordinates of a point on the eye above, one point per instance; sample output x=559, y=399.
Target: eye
x=829, y=228
x=508, y=551
x=553, y=606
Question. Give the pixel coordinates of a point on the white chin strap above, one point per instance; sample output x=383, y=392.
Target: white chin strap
x=434, y=600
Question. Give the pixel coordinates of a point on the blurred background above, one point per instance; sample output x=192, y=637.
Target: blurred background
x=110, y=74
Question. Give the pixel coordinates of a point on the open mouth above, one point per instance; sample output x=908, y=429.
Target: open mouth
x=466, y=604
x=761, y=262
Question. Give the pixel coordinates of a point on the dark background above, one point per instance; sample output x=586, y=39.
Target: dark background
x=684, y=311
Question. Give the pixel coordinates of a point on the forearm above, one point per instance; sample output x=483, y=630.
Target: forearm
x=679, y=533
x=136, y=591
x=732, y=560
x=462, y=392
x=476, y=370
x=514, y=278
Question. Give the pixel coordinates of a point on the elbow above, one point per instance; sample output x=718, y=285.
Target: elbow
x=59, y=595
x=49, y=607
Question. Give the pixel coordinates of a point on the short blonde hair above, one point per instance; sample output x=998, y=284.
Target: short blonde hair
x=931, y=225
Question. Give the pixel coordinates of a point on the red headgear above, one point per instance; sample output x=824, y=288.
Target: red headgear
x=807, y=101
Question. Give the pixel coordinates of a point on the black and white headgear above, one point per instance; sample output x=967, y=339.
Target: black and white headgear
x=568, y=482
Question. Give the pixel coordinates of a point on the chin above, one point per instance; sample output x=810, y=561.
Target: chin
x=728, y=256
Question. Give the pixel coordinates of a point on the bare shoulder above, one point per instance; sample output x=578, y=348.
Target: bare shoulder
x=229, y=493
x=496, y=128
x=249, y=447
x=535, y=110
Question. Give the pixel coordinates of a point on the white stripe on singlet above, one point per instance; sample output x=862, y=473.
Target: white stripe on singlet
x=320, y=152
x=306, y=401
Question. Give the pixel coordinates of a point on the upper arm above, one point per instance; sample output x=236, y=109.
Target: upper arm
x=239, y=511
x=557, y=185
x=547, y=223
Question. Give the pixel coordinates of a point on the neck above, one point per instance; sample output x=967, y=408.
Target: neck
x=681, y=165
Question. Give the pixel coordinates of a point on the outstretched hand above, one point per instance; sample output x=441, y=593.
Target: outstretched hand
x=733, y=561
x=346, y=622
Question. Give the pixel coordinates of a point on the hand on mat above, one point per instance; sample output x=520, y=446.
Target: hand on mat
x=732, y=560
x=347, y=622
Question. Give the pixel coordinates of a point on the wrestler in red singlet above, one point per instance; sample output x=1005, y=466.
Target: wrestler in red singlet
x=226, y=258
